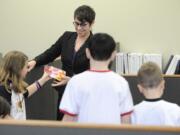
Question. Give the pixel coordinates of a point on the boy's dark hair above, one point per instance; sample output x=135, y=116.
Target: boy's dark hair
x=4, y=107
x=101, y=46
x=85, y=13
x=150, y=75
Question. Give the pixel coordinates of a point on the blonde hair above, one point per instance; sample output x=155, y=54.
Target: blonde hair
x=12, y=64
x=150, y=75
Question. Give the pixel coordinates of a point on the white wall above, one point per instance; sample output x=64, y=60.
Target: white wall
x=151, y=26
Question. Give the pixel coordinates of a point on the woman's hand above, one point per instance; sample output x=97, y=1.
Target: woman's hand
x=64, y=81
x=31, y=65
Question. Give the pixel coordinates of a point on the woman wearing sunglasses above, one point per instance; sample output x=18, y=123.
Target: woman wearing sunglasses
x=71, y=47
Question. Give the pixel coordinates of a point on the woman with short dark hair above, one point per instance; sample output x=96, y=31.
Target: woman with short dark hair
x=71, y=47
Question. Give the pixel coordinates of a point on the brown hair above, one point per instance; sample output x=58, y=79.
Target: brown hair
x=149, y=75
x=13, y=63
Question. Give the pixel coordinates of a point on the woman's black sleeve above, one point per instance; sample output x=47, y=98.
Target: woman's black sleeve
x=51, y=53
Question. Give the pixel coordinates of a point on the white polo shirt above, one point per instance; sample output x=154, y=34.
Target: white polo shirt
x=157, y=112
x=97, y=97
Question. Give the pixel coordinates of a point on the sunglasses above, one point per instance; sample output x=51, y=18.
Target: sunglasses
x=76, y=24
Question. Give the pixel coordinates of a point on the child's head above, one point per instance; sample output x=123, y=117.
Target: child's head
x=4, y=108
x=101, y=47
x=14, y=69
x=150, y=78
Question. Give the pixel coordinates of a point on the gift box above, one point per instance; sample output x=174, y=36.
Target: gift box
x=55, y=73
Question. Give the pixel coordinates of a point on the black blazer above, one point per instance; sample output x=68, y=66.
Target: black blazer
x=72, y=62
x=6, y=94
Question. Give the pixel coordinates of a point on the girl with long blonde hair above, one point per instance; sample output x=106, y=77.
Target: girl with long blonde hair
x=12, y=86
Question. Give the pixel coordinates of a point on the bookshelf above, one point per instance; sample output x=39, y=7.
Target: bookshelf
x=42, y=105
x=171, y=92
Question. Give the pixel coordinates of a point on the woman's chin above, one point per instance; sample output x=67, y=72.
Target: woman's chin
x=81, y=34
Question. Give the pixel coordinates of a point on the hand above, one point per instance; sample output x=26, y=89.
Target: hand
x=64, y=81
x=45, y=77
x=31, y=65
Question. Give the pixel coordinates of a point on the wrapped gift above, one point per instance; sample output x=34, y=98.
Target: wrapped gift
x=55, y=73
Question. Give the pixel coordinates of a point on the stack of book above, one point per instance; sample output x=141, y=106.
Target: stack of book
x=173, y=65
x=129, y=63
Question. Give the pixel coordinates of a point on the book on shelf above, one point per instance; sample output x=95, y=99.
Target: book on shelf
x=129, y=63
x=172, y=65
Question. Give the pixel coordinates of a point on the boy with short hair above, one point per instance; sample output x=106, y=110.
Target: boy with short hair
x=154, y=110
x=98, y=95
